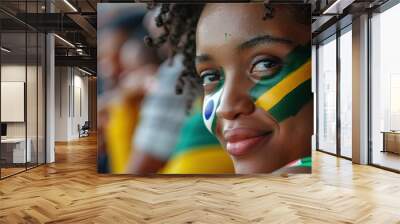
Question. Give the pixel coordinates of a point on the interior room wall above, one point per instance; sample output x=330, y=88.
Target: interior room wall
x=16, y=72
x=71, y=102
x=62, y=80
x=92, y=98
x=34, y=105
x=80, y=109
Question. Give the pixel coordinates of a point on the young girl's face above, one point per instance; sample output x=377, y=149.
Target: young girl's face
x=257, y=81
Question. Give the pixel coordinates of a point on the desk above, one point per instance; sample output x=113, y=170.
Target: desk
x=15, y=148
x=391, y=141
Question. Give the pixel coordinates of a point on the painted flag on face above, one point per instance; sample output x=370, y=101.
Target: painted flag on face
x=285, y=93
x=210, y=105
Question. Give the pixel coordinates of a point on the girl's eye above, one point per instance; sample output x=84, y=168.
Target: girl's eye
x=265, y=68
x=210, y=79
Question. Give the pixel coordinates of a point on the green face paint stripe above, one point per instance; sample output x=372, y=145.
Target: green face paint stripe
x=221, y=82
x=280, y=90
x=291, y=104
x=293, y=61
x=219, y=86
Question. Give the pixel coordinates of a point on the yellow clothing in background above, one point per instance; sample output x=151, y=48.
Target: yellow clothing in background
x=124, y=117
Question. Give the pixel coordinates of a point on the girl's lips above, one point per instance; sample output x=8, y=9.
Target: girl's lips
x=243, y=141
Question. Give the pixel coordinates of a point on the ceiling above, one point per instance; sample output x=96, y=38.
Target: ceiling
x=73, y=20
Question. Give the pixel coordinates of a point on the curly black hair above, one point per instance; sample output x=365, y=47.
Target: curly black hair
x=179, y=22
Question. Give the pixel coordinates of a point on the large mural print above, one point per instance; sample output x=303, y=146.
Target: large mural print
x=205, y=88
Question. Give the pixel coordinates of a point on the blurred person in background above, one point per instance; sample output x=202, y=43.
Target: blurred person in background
x=129, y=66
x=162, y=112
x=121, y=26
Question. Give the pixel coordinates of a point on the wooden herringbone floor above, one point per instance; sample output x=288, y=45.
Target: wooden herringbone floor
x=70, y=191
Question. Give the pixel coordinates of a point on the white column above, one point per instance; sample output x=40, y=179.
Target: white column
x=50, y=93
x=360, y=90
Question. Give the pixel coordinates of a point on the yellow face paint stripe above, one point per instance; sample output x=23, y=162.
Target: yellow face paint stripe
x=283, y=88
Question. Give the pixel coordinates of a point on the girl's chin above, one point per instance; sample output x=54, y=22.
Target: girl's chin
x=250, y=167
x=243, y=169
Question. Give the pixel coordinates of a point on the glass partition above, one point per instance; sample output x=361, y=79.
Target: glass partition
x=14, y=151
x=22, y=88
x=31, y=98
x=41, y=109
x=32, y=87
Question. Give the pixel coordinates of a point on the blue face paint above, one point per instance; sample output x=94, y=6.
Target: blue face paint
x=209, y=109
x=210, y=105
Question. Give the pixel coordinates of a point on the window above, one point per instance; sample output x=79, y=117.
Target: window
x=385, y=88
x=327, y=96
x=346, y=92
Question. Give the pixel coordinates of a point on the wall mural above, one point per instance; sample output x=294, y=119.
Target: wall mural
x=212, y=88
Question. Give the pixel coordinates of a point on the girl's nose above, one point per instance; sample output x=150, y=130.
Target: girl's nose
x=235, y=100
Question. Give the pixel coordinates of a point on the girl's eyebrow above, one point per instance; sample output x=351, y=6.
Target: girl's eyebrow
x=262, y=40
x=249, y=44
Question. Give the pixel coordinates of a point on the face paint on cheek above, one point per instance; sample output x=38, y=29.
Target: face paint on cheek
x=210, y=105
x=212, y=100
x=290, y=89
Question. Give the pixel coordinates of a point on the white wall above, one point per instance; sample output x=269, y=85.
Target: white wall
x=33, y=126
x=71, y=94
x=16, y=73
x=61, y=103
x=12, y=73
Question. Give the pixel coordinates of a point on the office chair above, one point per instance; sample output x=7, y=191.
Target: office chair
x=84, y=130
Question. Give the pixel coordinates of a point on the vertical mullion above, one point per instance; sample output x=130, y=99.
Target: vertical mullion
x=338, y=77
x=73, y=92
x=0, y=94
x=26, y=86
x=69, y=92
x=80, y=103
x=317, y=96
x=37, y=87
x=45, y=87
x=369, y=91
x=60, y=88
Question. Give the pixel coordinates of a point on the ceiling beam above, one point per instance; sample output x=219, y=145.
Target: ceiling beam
x=81, y=61
x=84, y=24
